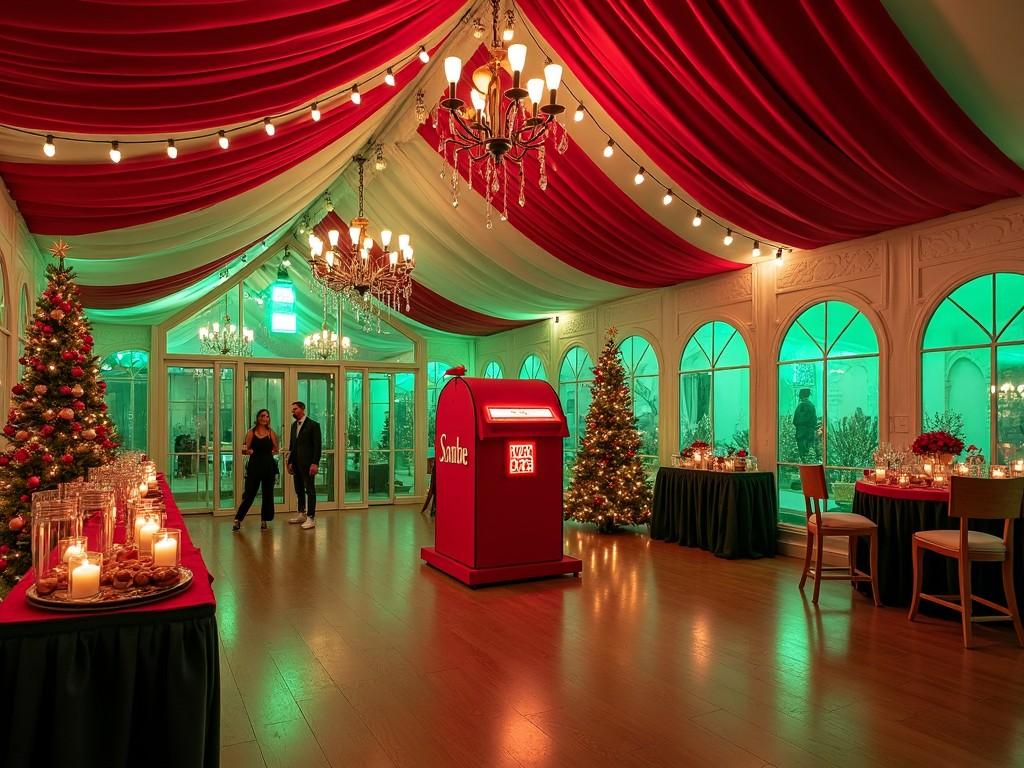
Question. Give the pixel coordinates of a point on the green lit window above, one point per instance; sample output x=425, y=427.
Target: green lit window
x=575, y=377
x=126, y=374
x=972, y=364
x=641, y=364
x=493, y=370
x=828, y=403
x=435, y=383
x=714, y=388
x=532, y=368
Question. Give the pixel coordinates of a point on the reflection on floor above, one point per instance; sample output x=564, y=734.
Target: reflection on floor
x=340, y=648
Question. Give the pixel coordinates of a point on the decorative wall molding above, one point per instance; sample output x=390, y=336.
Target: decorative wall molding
x=577, y=324
x=732, y=288
x=633, y=312
x=538, y=333
x=812, y=268
x=973, y=237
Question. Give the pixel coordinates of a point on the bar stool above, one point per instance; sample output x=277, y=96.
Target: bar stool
x=979, y=499
x=823, y=524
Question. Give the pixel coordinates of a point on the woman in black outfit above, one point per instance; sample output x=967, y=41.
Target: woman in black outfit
x=261, y=471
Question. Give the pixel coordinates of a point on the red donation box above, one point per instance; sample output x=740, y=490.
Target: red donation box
x=498, y=465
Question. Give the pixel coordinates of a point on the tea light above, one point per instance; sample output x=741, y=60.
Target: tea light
x=146, y=532
x=143, y=489
x=963, y=469
x=697, y=457
x=939, y=480
x=72, y=547
x=165, y=546
x=1018, y=467
x=84, y=575
x=903, y=480
x=998, y=472
x=879, y=474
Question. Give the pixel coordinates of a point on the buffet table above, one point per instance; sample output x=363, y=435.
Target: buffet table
x=732, y=514
x=899, y=514
x=137, y=686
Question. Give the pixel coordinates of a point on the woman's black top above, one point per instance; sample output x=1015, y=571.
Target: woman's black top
x=261, y=462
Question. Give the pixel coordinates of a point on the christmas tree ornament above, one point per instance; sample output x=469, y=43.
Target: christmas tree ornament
x=9, y=430
x=67, y=458
x=18, y=389
x=3, y=563
x=47, y=458
x=49, y=415
x=33, y=482
x=21, y=435
x=57, y=314
x=46, y=430
x=66, y=413
x=89, y=434
x=77, y=372
x=67, y=354
x=77, y=390
x=4, y=460
x=40, y=389
x=21, y=455
x=78, y=405
x=65, y=390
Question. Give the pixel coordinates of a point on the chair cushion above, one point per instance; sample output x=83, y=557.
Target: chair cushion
x=950, y=539
x=843, y=520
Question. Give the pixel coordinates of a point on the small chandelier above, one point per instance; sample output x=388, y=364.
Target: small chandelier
x=498, y=126
x=359, y=270
x=218, y=339
x=348, y=349
x=322, y=345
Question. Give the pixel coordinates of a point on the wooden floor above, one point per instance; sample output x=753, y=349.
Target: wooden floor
x=340, y=648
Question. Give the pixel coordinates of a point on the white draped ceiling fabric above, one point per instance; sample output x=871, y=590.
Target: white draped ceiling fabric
x=504, y=272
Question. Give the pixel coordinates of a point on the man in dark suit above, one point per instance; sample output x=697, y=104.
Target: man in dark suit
x=303, y=463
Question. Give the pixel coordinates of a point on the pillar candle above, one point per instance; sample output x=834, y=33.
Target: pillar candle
x=84, y=581
x=879, y=474
x=71, y=551
x=146, y=536
x=1018, y=466
x=165, y=551
x=927, y=468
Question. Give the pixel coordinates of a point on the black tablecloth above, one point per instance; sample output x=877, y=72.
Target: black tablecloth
x=898, y=520
x=114, y=690
x=732, y=514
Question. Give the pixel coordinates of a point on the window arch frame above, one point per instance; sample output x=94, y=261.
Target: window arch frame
x=993, y=345
x=434, y=375
x=540, y=363
x=737, y=334
x=576, y=428
x=490, y=367
x=127, y=439
x=651, y=460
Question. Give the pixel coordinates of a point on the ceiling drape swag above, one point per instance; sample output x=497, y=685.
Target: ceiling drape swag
x=807, y=123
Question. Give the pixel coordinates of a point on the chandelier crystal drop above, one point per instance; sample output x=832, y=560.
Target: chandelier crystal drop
x=226, y=339
x=501, y=125
x=359, y=271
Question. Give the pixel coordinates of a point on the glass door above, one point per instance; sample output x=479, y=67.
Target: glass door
x=380, y=441
x=354, y=493
x=315, y=388
x=190, y=424
x=265, y=388
x=382, y=444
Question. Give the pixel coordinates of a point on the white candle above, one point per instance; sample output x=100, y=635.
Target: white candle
x=140, y=520
x=904, y=480
x=879, y=474
x=85, y=581
x=998, y=473
x=939, y=480
x=927, y=468
x=72, y=550
x=165, y=551
x=146, y=535
x=1018, y=466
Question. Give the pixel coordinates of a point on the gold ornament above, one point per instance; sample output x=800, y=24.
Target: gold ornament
x=21, y=435
x=57, y=314
x=49, y=415
x=40, y=389
x=77, y=390
x=89, y=434
x=67, y=414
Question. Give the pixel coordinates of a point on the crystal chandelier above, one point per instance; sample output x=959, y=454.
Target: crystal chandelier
x=497, y=127
x=322, y=345
x=348, y=349
x=358, y=270
x=225, y=339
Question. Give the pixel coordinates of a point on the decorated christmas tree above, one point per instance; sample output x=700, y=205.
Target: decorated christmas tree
x=609, y=485
x=58, y=425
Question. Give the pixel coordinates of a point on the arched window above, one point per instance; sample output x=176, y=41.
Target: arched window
x=972, y=365
x=435, y=383
x=575, y=377
x=532, y=368
x=493, y=370
x=641, y=364
x=714, y=388
x=127, y=377
x=828, y=402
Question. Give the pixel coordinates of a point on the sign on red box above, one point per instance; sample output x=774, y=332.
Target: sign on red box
x=521, y=458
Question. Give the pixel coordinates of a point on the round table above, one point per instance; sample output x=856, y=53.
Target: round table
x=902, y=512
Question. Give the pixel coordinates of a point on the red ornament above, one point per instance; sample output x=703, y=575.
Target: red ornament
x=46, y=430
x=102, y=406
x=23, y=498
x=77, y=372
x=16, y=523
x=67, y=458
x=21, y=455
x=18, y=389
x=65, y=390
x=4, y=549
x=103, y=386
x=33, y=482
x=47, y=329
x=9, y=430
x=76, y=426
x=39, y=325
x=3, y=563
x=67, y=354
x=101, y=430
x=78, y=405
x=87, y=339
x=47, y=458
x=66, y=306
x=40, y=368
x=4, y=460
x=107, y=443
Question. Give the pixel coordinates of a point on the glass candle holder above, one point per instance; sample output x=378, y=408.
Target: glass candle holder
x=963, y=470
x=903, y=480
x=84, y=575
x=998, y=471
x=71, y=547
x=166, y=547
x=730, y=465
x=939, y=480
x=879, y=474
x=1018, y=467
x=52, y=521
x=145, y=530
x=100, y=503
x=926, y=467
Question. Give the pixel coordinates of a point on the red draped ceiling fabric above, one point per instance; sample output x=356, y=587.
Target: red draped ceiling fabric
x=583, y=218
x=143, y=66
x=78, y=199
x=429, y=308
x=805, y=122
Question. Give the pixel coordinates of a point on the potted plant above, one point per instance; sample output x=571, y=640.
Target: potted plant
x=852, y=441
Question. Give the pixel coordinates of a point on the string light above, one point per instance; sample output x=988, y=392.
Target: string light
x=697, y=219
x=389, y=78
x=268, y=126
x=756, y=250
x=667, y=199
x=115, y=153
x=314, y=112
x=778, y=257
x=356, y=98
x=579, y=114
x=727, y=240
x=48, y=148
x=609, y=148
x=222, y=139
x=172, y=151
x=639, y=178
x=424, y=56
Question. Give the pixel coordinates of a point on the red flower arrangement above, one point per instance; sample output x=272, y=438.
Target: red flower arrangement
x=937, y=443
x=741, y=453
x=700, y=445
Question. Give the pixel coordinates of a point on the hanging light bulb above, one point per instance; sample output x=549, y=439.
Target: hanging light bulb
x=379, y=161
x=328, y=203
x=268, y=126
x=172, y=151
x=314, y=112
x=356, y=98
x=579, y=114
x=609, y=148
x=727, y=240
x=115, y=153
x=667, y=199
x=424, y=56
x=778, y=257
x=640, y=177
x=48, y=147
x=697, y=219
x=389, y=77
x=756, y=251
x=222, y=139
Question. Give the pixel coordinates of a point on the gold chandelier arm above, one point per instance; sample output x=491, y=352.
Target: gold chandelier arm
x=466, y=132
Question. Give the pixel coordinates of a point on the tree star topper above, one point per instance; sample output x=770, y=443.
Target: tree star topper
x=59, y=249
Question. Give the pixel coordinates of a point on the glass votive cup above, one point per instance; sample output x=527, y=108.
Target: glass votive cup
x=71, y=546
x=903, y=480
x=963, y=469
x=998, y=471
x=166, y=546
x=879, y=474
x=1018, y=467
x=84, y=575
x=938, y=480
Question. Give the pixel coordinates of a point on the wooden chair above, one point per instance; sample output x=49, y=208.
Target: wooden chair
x=431, y=499
x=823, y=524
x=980, y=499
